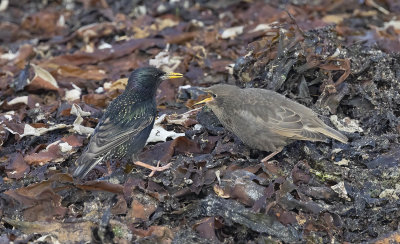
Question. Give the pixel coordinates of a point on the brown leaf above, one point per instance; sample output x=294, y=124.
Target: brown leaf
x=10, y=32
x=64, y=232
x=94, y=4
x=301, y=174
x=143, y=206
x=119, y=84
x=14, y=127
x=87, y=73
x=17, y=167
x=73, y=140
x=390, y=237
x=25, y=52
x=338, y=64
x=168, y=90
x=186, y=119
x=239, y=185
x=118, y=50
x=121, y=207
x=160, y=234
x=42, y=80
x=181, y=38
x=99, y=100
x=182, y=145
x=206, y=228
x=38, y=201
x=53, y=152
x=101, y=186
x=43, y=22
x=286, y=217
x=96, y=30
x=220, y=65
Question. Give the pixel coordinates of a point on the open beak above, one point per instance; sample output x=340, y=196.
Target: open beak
x=208, y=99
x=172, y=75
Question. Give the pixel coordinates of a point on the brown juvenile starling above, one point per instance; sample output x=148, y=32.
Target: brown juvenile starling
x=126, y=124
x=266, y=120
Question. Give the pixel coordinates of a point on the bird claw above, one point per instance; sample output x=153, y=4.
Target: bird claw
x=153, y=169
x=264, y=160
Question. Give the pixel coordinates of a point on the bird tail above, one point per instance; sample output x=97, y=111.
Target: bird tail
x=332, y=133
x=86, y=163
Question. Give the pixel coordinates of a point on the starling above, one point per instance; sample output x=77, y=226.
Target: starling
x=126, y=124
x=266, y=120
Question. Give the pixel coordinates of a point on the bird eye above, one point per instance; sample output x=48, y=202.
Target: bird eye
x=214, y=96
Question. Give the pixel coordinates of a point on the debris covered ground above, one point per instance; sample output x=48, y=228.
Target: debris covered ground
x=62, y=62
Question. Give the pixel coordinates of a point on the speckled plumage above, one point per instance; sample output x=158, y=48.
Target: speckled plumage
x=267, y=120
x=126, y=124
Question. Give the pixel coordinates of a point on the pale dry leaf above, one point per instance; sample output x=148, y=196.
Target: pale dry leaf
x=22, y=99
x=43, y=79
x=77, y=127
x=346, y=124
x=232, y=32
x=158, y=133
x=164, y=61
x=73, y=94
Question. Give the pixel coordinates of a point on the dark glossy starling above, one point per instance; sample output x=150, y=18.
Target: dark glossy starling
x=266, y=120
x=126, y=124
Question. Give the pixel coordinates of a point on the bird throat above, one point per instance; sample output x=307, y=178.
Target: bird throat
x=143, y=92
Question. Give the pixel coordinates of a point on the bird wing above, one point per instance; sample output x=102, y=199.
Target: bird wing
x=286, y=122
x=288, y=118
x=115, y=130
x=118, y=125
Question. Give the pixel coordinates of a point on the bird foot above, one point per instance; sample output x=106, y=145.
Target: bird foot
x=264, y=160
x=153, y=169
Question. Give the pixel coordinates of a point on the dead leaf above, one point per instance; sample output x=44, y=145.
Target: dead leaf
x=65, y=232
x=119, y=84
x=101, y=186
x=73, y=140
x=121, y=207
x=73, y=94
x=43, y=22
x=181, y=145
x=25, y=52
x=39, y=201
x=143, y=206
x=98, y=100
x=87, y=73
x=117, y=51
x=158, y=133
x=206, y=228
x=96, y=30
x=51, y=153
x=17, y=167
x=77, y=125
x=42, y=80
x=158, y=234
x=186, y=119
x=232, y=32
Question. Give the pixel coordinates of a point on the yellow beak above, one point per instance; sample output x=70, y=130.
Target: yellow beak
x=208, y=99
x=173, y=75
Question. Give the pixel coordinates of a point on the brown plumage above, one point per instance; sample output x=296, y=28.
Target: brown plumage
x=266, y=120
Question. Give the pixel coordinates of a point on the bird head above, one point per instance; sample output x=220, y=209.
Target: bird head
x=149, y=78
x=219, y=94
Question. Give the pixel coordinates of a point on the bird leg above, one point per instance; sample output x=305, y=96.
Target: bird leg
x=264, y=160
x=154, y=169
